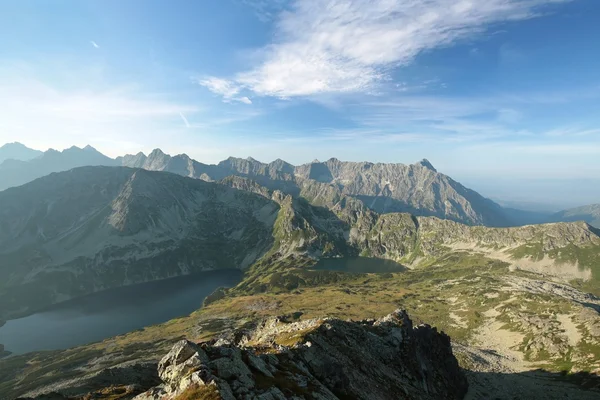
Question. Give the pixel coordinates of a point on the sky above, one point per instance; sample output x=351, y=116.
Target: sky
x=502, y=95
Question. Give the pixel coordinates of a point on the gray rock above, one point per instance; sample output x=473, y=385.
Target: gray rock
x=333, y=359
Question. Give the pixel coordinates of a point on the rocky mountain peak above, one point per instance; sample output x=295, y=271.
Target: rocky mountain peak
x=325, y=359
x=425, y=163
x=156, y=153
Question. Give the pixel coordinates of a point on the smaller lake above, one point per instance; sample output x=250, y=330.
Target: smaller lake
x=359, y=265
x=113, y=312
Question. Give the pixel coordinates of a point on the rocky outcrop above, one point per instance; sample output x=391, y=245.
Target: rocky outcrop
x=317, y=359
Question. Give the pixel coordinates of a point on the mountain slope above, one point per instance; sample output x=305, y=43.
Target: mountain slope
x=324, y=222
x=589, y=214
x=92, y=228
x=17, y=151
x=418, y=189
x=16, y=173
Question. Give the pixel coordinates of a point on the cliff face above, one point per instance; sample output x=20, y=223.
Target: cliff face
x=325, y=359
x=418, y=189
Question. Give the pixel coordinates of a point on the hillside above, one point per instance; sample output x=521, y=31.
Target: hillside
x=92, y=228
x=589, y=214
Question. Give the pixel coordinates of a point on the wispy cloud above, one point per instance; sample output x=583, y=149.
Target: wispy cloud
x=227, y=89
x=185, y=120
x=94, y=44
x=341, y=46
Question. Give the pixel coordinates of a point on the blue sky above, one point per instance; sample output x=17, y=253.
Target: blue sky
x=502, y=95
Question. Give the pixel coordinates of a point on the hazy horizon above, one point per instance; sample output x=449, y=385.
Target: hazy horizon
x=525, y=194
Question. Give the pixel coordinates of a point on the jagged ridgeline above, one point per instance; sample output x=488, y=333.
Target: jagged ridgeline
x=418, y=188
x=93, y=228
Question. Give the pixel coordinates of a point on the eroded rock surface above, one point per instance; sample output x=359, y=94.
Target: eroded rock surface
x=317, y=359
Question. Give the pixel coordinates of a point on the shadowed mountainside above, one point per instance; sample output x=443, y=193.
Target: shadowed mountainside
x=93, y=228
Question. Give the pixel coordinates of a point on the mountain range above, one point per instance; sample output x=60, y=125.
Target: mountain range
x=92, y=228
x=589, y=214
x=17, y=151
x=15, y=172
x=418, y=188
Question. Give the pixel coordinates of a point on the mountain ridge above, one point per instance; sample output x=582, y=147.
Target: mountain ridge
x=15, y=173
x=417, y=188
x=589, y=213
x=17, y=151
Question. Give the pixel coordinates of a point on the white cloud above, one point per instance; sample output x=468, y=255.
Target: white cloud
x=342, y=46
x=229, y=90
x=223, y=87
x=94, y=44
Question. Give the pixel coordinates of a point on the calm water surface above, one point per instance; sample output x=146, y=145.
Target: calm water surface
x=359, y=265
x=112, y=312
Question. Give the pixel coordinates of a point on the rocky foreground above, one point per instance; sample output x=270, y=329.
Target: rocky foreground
x=386, y=358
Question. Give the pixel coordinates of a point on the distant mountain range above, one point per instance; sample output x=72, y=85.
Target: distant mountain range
x=417, y=188
x=18, y=172
x=17, y=151
x=589, y=214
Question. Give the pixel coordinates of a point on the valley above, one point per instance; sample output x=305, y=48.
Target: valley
x=307, y=246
